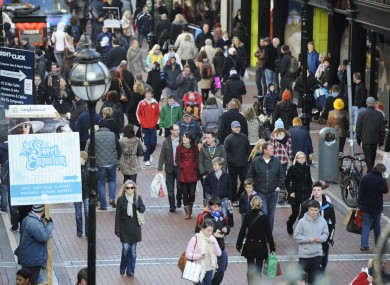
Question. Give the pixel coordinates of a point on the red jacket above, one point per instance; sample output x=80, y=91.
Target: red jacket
x=148, y=114
x=188, y=164
x=361, y=279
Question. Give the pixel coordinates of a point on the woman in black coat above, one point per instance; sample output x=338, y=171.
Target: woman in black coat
x=218, y=61
x=127, y=227
x=136, y=97
x=156, y=79
x=259, y=234
x=299, y=184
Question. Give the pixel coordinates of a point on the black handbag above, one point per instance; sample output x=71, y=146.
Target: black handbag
x=140, y=148
x=230, y=218
x=351, y=226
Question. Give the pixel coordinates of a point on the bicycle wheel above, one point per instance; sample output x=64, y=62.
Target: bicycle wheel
x=350, y=190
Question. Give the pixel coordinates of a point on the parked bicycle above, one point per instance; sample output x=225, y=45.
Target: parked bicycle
x=351, y=175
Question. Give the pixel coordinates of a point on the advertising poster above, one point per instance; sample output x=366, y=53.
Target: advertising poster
x=111, y=17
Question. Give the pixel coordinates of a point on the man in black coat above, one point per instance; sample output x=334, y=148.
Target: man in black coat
x=359, y=100
x=163, y=25
x=233, y=114
x=270, y=56
x=234, y=88
x=286, y=76
x=200, y=40
x=116, y=54
x=370, y=131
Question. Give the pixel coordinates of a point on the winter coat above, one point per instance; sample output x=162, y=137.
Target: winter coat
x=300, y=140
x=184, y=84
x=253, y=130
x=234, y=88
x=176, y=29
x=77, y=109
x=192, y=127
x=287, y=111
x=135, y=99
x=171, y=75
x=371, y=190
x=205, y=83
x=266, y=176
x=258, y=235
x=129, y=163
x=221, y=43
x=270, y=56
x=116, y=55
x=85, y=181
x=108, y=149
x=260, y=57
x=157, y=82
x=245, y=202
x=166, y=156
x=329, y=103
x=218, y=61
x=221, y=187
x=117, y=113
x=100, y=38
x=210, y=51
x=170, y=115
x=339, y=120
x=230, y=63
x=205, y=164
x=127, y=227
x=370, y=127
x=83, y=125
x=306, y=229
x=187, y=50
x=135, y=62
x=34, y=234
x=187, y=163
x=40, y=67
x=237, y=149
x=270, y=101
x=201, y=39
x=282, y=146
x=241, y=59
x=298, y=181
x=210, y=118
x=313, y=61
x=225, y=124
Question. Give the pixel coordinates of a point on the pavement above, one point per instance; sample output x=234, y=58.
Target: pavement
x=165, y=236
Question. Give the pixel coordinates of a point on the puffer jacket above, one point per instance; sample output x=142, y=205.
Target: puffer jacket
x=108, y=149
x=287, y=111
x=34, y=234
x=266, y=176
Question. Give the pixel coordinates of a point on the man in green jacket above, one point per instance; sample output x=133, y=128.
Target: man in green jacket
x=170, y=114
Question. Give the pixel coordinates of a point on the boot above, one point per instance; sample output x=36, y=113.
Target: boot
x=191, y=205
x=249, y=278
x=290, y=229
x=187, y=210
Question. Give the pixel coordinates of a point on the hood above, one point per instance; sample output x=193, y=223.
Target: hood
x=287, y=106
x=234, y=76
x=175, y=105
x=307, y=217
x=212, y=107
x=334, y=94
x=153, y=101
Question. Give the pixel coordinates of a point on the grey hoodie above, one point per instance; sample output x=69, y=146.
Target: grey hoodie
x=306, y=229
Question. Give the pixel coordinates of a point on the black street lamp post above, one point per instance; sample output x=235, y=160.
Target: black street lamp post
x=304, y=116
x=90, y=79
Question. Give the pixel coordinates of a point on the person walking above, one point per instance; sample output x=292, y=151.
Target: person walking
x=260, y=78
x=359, y=101
x=186, y=159
x=232, y=114
x=371, y=190
x=300, y=139
x=127, y=227
x=203, y=248
x=286, y=110
x=370, y=132
x=135, y=63
x=339, y=120
x=170, y=114
x=267, y=174
x=270, y=56
x=256, y=228
x=85, y=196
x=234, y=88
x=35, y=231
x=281, y=142
x=298, y=184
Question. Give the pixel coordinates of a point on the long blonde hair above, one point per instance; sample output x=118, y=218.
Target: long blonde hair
x=256, y=149
x=256, y=203
x=127, y=182
x=296, y=156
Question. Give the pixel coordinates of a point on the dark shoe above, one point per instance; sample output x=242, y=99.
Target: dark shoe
x=130, y=274
x=122, y=273
x=235, y=204
x=290, y=229
x=172, y=209
x=112, y=203
x=79, y=234
x=362, y=248
x=178, y=204
x=102, y=209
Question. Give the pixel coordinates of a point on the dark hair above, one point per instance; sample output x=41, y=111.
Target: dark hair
x=248, y=182
x=357, y=75
x=128, y=131
x=112, y=95
x=317, y=184
x=172, y=97
x=82, y=274
x=191, y=137
x=328, y=59
x=379, y=168
x=38, y=52
x=335, y=88
x=207, y=223
x=211, y=101
x=345, y=62
x=103, y=123
x=201, y=56
x=73, y=20
x=265, y=145
x=313, y=204
x=214, y=200
x=115, y=41
x=59, y=128
x=26, y=274
x=210, y=133
x=171, y=128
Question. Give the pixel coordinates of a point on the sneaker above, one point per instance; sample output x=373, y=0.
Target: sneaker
x=79, y=234
x=3, y=212
x=235, y=204
x=172, y=209
x=290, y=229
x=363, y=248
x=13, y=230
x=151, y=159
x=102, y=209
x=147, y=163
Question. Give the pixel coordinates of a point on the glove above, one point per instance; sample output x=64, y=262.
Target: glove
x=117, y=234
x=238, y=247
x=331, y=241
x=49, y=220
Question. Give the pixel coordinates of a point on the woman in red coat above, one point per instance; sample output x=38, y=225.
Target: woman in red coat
x=187, y=154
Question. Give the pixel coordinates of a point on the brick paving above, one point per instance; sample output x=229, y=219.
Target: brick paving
x=165, y=236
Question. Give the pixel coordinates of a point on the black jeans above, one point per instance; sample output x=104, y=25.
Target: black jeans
x=369, y=155
x=35, y=270
x=342, y=144
x=205, y=95
x=170, y=181
x=234, y=173
x=325, y=255
x=312, y=266
x=258, y=262
x=188, y=190
x=295, y=213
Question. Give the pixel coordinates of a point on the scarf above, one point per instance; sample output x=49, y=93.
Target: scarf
x=205, y=246
x=187, y=145
x=216, y=214
x=70, y=46
x=130, y=200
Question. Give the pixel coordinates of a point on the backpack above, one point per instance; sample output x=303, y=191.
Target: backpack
x=76, y=33
x=293, y=66
x=205, y=70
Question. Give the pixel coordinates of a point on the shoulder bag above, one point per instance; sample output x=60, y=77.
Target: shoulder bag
x=140, y=148
x=192, y=269
x=140, y=216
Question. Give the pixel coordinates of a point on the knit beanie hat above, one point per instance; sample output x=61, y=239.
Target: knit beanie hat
x=38, y=208
x=286, y=96
x=338, y=104
x=279, y=124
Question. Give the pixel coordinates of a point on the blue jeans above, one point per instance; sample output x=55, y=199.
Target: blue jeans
x=367, y=219
x=207, y=278
x=269, y=76
x=224, y=205
x=222, y=266
x=150, y=141
x=129, y=256
x=127, y=40
x=109, y=174
x=270, y=201
x=59, y=55
x=79, y=216
x=260, y=82
x=4, y=202
x=355, y=113
x=141, y=37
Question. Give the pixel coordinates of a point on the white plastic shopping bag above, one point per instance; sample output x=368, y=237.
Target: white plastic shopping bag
x=158, y=187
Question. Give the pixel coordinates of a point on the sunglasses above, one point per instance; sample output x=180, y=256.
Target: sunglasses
x=130, y=187
x=25, y=126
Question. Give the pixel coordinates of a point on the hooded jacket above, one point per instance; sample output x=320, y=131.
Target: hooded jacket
x=306, y=229
x=171, y=74
x=169, y=115
x=210, y=118
x=148, y=113
x=205, y=159
x=234, y=88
